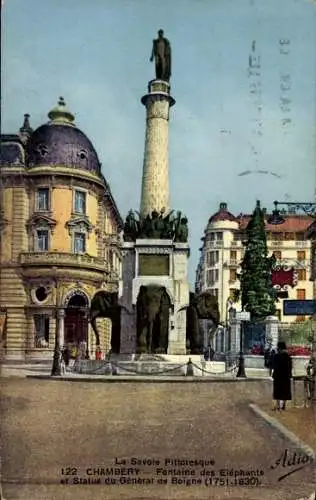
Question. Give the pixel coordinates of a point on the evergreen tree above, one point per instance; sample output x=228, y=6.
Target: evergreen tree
x=257, y=294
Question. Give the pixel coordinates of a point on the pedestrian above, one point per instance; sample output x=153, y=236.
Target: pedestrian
x=271, y=361
x=66, y=354
x=282, y=374
x=266, y=357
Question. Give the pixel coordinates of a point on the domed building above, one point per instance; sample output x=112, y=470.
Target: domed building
x=59, y=237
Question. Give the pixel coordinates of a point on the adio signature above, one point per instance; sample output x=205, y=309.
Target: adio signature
x=289, y=463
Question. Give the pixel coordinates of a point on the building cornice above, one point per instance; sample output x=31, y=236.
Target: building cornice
x=76, y=221
x=38, y=219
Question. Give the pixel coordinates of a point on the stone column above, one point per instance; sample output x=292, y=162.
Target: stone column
x=61, y=327
x=155, y=180
x=235, y=336
x=272, y=330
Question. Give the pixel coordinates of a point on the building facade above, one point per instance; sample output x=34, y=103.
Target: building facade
x=59, y=235
x=223, y=250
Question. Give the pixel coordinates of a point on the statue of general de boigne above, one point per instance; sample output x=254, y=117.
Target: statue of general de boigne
x=162, y=53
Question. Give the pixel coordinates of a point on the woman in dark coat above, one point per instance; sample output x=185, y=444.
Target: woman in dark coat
x=282, y=373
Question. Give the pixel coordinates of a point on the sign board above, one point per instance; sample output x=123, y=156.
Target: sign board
x=243, y=316
x=299, y=307
x=153, y=265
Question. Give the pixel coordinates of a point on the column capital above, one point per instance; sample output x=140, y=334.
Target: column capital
x=60, y=313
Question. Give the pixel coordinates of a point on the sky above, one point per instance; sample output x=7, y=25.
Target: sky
x=237, y=132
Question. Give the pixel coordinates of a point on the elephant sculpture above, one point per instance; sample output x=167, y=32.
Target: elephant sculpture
x=153, y=306
x=105, y=305
x=201, y=306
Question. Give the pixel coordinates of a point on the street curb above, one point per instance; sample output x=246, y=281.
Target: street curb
x=283, y=430
x=141, y=378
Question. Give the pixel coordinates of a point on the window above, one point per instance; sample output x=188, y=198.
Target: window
x=41, y=294
x=237, y=237
x=41, y=322
x=80, y=202
x=232, y=293
x=232, y=275
x=111, y=259
x=219, y=236
x=301, y=274
x=79, y=243
x=300, y=294
x=289, y=236
x=301, y=255
x=212, y=276
x=233, y=255
x=277, y=236
x=41, y=243
x=212, y=258
x=277, y=254
x=212, y=236
x=214, y=292
x=42, y=204
x=299, y=236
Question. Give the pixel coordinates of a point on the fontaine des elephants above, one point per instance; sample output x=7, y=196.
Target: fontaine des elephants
x=154, y=313
x=153, y=316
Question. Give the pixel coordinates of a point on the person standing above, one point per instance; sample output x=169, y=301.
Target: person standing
x=271, y=361
x=282, y=374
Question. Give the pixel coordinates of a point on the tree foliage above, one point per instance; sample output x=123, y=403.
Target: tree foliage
x=298, y=333
x=257, y=294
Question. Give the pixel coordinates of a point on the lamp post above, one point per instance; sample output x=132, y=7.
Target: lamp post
x=309, y=208
x=56, y=366
x=242, y=316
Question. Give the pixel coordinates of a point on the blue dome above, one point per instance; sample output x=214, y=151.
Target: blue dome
x=60, y=142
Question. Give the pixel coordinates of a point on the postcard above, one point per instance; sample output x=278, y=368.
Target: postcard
x=157, y=250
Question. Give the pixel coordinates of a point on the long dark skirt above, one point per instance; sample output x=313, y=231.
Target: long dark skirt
x=282, y=389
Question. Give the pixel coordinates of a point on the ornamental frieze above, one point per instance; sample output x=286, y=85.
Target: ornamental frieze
x=154, y=250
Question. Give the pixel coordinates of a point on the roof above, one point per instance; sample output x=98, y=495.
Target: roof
x=222, y=214
x=60, y=142
x=291, y=224
x=11, y=150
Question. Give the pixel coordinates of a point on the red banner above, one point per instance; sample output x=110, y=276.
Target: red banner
x=283, y=276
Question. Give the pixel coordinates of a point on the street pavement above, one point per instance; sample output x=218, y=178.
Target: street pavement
x=54, y=431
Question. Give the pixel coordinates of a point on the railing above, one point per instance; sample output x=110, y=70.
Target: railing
x=233, y=263
x=236, y=243
x=301, y=244
x=63, y=259
x=215, y=243
x=276, y=243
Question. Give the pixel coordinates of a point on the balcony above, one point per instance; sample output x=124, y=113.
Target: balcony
x=49, y=259
x=276, y=243
x=236, y=244
x=233, y=263
x=301, y=244
x=215, y=243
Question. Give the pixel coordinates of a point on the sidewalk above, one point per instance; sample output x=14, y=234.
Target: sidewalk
x=299, y=420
